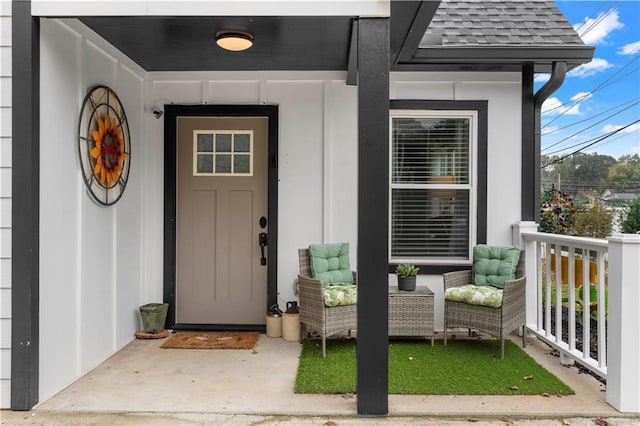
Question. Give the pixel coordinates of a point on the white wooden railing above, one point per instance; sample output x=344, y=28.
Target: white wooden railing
x=556, y=290
x=612, y=268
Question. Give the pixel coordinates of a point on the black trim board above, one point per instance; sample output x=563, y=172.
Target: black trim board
x=352, y=62
x=423, y=16
x=482, y=107
x=432, y=269
x=25, y=262
x=172, y=112
x=541, y=57
x=403, y=14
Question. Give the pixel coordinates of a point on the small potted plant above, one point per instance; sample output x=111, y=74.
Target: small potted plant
x=407, y=277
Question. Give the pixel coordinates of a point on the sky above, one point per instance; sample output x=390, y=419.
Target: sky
x=602, y=96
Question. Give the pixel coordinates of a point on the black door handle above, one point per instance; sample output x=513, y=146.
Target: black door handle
x=262, y=240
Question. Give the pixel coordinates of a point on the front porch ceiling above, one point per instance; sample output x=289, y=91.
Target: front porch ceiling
x=178, y=43
x=419, y=42
x=188, y=43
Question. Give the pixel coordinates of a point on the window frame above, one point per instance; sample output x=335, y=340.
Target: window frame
x=232, y=153
x=477, y=111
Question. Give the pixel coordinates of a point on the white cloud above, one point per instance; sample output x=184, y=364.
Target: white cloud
x=613, y=127
x=551, y=106
x=595, y=31
x=581, y=96
x=634, y=128
x=541, y=78
x=608, y=128
x=630, y=49
x=595, y=66
x=554, y=106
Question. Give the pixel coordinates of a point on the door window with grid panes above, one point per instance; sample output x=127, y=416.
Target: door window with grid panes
x=222, y=152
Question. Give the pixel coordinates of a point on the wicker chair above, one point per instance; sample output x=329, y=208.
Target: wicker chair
x=314, y=315
x=498, y=322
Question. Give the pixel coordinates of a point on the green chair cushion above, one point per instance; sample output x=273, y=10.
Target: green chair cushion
x=470, y=294
x=494, y=265
x=330, y=263
x=340, y=295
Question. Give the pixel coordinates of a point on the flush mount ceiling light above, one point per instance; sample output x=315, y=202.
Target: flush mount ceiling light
x=234, y=40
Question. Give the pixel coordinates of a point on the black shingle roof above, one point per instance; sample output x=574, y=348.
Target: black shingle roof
x=499, y=23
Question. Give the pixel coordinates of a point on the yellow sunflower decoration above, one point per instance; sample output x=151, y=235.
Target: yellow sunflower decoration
x=108, y=151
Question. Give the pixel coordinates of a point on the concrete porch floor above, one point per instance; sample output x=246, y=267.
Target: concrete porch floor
x=143, y=378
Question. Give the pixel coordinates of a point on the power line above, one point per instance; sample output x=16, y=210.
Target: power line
x=599, y=19
x=586, y=143
x=581, y=183
x=588, y=127
x=577, y=184
x=599, y=87
x=574, y=145
x=591, y=14
x=559, y=160
x=617, y=137
x=569, y=184
x=591, y=117
x=588, y=94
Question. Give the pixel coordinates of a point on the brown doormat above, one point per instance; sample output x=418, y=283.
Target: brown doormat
x=211, y=340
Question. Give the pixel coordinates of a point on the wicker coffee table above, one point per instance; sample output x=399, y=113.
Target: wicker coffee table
x=411, y=312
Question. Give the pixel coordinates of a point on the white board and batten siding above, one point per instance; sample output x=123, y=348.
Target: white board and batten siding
x=5, y=203
x=504, y=117
x=317, y=149
x=99, y=291
x=91, y=257
x=99, y=264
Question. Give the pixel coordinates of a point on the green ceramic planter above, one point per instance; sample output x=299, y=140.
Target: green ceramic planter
x=154, y=316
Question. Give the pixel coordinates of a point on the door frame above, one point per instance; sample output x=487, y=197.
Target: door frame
x=171, y=114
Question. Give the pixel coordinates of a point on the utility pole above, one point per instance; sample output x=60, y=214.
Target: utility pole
x=558, y=181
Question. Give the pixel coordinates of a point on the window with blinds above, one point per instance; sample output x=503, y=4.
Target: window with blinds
x=432, y=193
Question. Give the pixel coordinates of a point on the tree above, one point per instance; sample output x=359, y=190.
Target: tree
x=631, y=224
x=564, y=168
x=581, y=174
x=625, y=174
x=593, y=168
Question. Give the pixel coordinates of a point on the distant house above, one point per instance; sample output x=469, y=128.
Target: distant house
x=400, y=127
x=610, y=196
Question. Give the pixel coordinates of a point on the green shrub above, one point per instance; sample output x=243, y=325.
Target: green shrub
x=631, y=224
x=593, y=222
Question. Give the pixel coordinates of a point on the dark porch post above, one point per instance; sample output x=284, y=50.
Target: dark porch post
x=530, y=210
x=373, y=208
x=25, y=190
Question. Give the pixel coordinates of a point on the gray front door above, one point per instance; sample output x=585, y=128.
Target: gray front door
x=221, y=212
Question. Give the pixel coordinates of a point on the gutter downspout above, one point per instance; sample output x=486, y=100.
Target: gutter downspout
x=558, y=73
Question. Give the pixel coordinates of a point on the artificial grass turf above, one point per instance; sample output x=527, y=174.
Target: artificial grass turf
x=464, y=367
